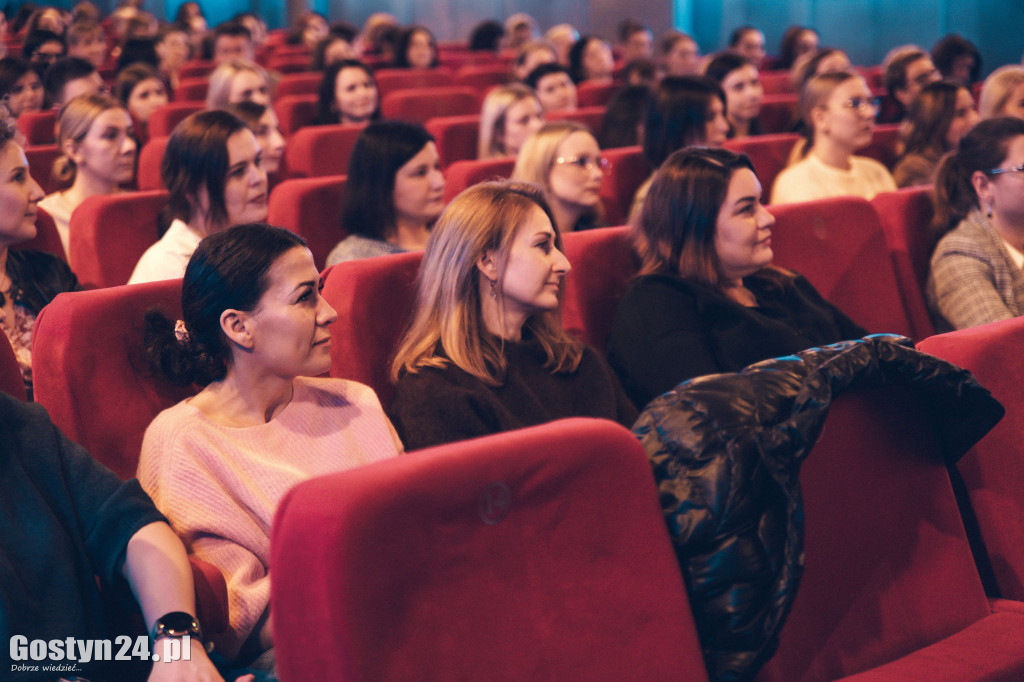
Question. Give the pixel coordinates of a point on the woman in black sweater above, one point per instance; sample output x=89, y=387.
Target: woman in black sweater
x=707, y=298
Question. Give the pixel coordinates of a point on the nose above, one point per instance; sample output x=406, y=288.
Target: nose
x=35, y=192
x=128, y=146
x=257, y=175
x=765, y=218
x=562, y=265
x=437, y=178
x=325, y=314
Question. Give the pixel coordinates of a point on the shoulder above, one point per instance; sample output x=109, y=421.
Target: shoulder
x=790, y=180
x=167, y=258
x=331, y=392
x=354, y=247
x=869, y=166
x=31, y=261
x=967, y=238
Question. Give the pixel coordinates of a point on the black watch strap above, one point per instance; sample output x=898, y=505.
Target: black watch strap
x=177, y=624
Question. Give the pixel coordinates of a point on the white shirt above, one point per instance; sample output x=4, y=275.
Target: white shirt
x=811, y=179
x=167, y=258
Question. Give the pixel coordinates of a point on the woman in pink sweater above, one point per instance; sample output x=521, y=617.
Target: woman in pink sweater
x=254, y=335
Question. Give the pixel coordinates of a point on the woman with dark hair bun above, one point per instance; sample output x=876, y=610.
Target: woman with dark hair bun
x=394, y=194
x=253, y=335
x=941, y=114
x=977, y=267
x=213, y=170
x=707, y=298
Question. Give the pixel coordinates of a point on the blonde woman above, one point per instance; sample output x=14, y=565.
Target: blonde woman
x=1003, y=93
x=511, y=113
x=94, y=133
x=839, y=111
x=238, y=80
x=485, y=351
x=563, y=157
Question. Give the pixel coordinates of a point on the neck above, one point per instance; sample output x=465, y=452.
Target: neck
x=1012, y=231
x=497, y=320
x=201, y=224
x=245, y=397
x=87, y=185
x=736, y=291
x=409, y=235
x=740, y=128
x=565, y=216
x=831, y=154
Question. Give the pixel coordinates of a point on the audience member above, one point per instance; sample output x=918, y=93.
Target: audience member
x=643, y=72
x=309, y=29
x=172, y=50
x=907, y=69
x=748, y=42
x=564, y=159
x=707, y=298
x=510, y=114
x=486, y=36
x=231, y=41
x=797, y=41
x=331, y=50
x=839, y=111
x=554, y=87
x=70, y=77
x=485, y=351
x=348, y=94
x=590, y=59
x=253, y=335
x=43, y=48
x=741, y=83
x=680, y=54
x=237, y=81
x=939, y=116
x=94, y=134
x=46, y=19
x=21, y=89
x=142, y=91
x=262, y=121
x=256, y=26
x=212, y=169
x=1003, y=93
x=85, y=40
x=623, y=122
x=416, y=49
x=394, y=194
x=635, y=41
x=977, y=267
x=370, y=40
x=530, y=56
x=563, y=37
x=957, y=59
x=29, y=279
x=811, y=64
x=520, y=28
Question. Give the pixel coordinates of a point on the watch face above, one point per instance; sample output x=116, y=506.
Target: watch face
x=177, y=624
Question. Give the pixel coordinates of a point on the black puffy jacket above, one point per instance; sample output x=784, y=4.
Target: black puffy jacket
x=726, y=451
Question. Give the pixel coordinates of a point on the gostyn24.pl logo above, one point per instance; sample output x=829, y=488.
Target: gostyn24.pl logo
x=63, y=655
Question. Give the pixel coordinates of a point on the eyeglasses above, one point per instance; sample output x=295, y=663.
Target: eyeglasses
x=997, y=171
x=866, y=104
x=584, y=162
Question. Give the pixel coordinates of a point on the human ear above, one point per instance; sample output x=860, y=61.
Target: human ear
x=487, y=266
x=236, y=325
x=72, y=150
x=982, y=187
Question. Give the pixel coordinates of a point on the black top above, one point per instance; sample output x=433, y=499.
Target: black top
x=435, y=406
x=668, y=329
x=65, y=521
x=38, y=277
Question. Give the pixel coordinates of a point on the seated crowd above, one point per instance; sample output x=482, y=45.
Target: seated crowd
x=484, y=350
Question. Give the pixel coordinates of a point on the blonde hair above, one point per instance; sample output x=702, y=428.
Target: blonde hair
x=223, y=76
x=537, y=156
x=73, y=124
x=816, y=93
x=493, y=118
x=997, y=89
x=447, y=325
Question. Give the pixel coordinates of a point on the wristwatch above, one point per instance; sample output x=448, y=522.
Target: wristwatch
x=177, y=624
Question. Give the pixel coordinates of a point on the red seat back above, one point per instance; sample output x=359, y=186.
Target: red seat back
x=521, y=557
x=591, y=94
x=295, y=111
x=483, y=76
x=776, y=82
x=462, y=174
x=768, y=153
x=628, y=168
x=192, y=89
x=163, y=121
x=994, y=469
x=109, y=233
x=197, y=68
x=456, y=137
x=47, y=238
x=91, y=373
x=374, y=299
x=588, y=116
x=38, y=127
x=778, y=113
x=839, y=245
x=40, y=161
x=906, y=216
x=311, y=208
x=288, y=63
x=317, y=151
x=151, y=157
x=11, y=382
x=389, y=80
x=602, y=265
x=304, y=83
x=418, y=105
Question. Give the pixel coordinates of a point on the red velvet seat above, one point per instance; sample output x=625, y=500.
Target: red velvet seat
x=151, y=156
x=389, y=80
x=90, y=373
x=288, y=63
x=40, y=159
x=374, y=299
x=602, y=265
x=163, y=120
x=628, y=168
x=483, y=76
x=192, y=89
x=462, y=174
x=47, y=238
x=768, y=153
x=534, y=554
x=11, y=382
x=778, y=113
x=418, y=105
x=590, y=94
x=311, y=208
x=109, y=233
x=906, y=218
x=304, y=83
x=889, y=588
x=38, y=127
x=776, y=82
x=317, y=151
x=588, y=116
x=884, y=143
x=457, y=137
x=295, y=111
x=994, y=469
x=196, y=68
x=839, y=245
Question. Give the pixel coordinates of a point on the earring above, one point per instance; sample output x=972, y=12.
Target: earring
x=494, y=288
x=989, y=213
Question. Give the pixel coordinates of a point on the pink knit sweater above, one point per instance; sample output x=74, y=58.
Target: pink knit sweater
x=220, y=486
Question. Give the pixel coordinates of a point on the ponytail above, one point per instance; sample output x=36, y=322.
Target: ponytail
x=175, y=355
